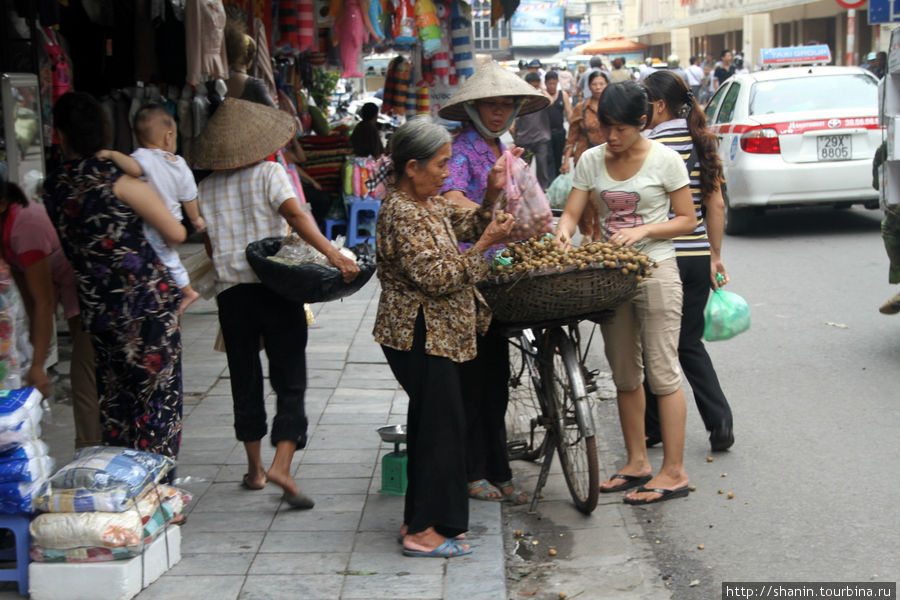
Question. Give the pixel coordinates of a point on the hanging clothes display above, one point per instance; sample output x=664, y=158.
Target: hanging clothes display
x=306, y=24
x=262, y=64
x=205, y=37
x=351, y=24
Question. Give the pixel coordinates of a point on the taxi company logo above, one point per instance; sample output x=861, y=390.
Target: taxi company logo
x=834, y=123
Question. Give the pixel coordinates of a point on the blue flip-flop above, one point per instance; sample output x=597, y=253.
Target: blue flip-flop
x=448, y=549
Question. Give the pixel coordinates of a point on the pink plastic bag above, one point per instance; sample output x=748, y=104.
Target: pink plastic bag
x=524, y=199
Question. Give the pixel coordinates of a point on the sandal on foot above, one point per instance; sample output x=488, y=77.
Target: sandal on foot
x=460, y=538
x=629, y=482
x=517, y=497
x=485, y=491
x=299, y=500
x=448, y=549
x=247, y=483
x=666, y=495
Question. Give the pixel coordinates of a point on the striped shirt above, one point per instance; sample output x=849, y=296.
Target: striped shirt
x=675, y=135
x=241, y=206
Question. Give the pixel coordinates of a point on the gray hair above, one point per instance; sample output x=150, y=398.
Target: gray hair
x=418, y=139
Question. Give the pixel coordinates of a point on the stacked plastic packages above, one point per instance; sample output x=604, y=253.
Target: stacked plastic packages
x=24, y=461
x=107, y=504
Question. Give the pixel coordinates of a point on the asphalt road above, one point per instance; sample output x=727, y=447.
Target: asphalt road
x=814, y=386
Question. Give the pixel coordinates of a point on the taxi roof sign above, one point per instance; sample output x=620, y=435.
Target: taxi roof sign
x=818, y=54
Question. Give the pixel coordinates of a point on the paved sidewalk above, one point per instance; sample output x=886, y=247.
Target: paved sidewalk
x=241, y=544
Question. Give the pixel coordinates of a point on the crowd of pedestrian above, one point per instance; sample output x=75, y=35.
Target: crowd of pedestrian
x=644, y=172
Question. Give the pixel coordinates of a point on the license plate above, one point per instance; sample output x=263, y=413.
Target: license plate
x=834, y=147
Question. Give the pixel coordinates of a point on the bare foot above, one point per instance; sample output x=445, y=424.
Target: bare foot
x=426, y=541
x=255, y=481
x=283, y=480
x=661, y=481
x=404, y=528
x=482, y=490
x=635, y=470
x=188, y=296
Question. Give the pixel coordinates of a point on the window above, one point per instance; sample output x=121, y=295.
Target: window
x=714, y=102
x=728, y=103
x=813, y=93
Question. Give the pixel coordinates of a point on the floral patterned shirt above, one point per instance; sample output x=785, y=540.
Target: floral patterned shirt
x=420, y=266
x=118, y=274
x=470, y=164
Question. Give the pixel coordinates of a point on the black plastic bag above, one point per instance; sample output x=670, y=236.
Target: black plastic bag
x=309, y=282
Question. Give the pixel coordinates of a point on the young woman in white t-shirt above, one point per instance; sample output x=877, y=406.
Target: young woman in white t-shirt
x=635, y=182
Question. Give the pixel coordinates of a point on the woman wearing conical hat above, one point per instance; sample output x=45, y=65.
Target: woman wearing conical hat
x=488, y=104
x=247, y=199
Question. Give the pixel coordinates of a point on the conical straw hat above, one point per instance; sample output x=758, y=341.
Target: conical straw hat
x=241, y=133
x=489, y=81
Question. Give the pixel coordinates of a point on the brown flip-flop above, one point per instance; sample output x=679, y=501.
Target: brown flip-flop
x=247, y=485
x=299, y=500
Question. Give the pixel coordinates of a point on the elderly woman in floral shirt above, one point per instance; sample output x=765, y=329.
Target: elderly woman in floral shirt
x=428, y=316
x=488, y=102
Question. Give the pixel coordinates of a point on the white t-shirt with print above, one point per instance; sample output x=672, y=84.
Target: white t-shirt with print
x=640, y=200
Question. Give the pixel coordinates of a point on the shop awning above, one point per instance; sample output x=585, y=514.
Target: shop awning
x=610, y=44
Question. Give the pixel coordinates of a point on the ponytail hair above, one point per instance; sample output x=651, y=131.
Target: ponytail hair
x=680, y=101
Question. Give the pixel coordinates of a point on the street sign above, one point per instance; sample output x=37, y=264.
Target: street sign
x=851, y=3
x=884, y=11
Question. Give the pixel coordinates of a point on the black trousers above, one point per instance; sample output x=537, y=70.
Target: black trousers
x=557, y=144
x=692, y=354
x=436, y=493
x=247, y=312
x=485, y=389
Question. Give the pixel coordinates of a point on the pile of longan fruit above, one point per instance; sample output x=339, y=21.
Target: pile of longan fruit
x=542, y=253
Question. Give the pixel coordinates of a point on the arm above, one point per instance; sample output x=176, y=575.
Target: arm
x=39, y=305
x=715, y=225
x=432, y=269
x=571, y=215
x=684, y=221
x=305, y=226
x=193, y=214
x=460, y=199
x=123, y=161
x=141, y=197
x=567, y=105
x=496, y=181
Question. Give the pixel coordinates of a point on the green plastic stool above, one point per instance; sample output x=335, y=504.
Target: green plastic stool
x=393, y=464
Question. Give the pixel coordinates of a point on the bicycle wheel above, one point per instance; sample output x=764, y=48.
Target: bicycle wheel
x=525, y=434
x=561, y=373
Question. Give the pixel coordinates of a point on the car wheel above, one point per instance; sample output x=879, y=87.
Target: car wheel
x=737, y=220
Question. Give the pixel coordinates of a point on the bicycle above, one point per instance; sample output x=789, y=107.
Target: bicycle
x=552, y=408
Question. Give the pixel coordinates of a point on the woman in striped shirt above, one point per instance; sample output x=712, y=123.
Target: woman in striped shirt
x=678, y=122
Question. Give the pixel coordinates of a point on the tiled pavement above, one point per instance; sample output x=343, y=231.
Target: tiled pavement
x=240, y=544
x=245, y=545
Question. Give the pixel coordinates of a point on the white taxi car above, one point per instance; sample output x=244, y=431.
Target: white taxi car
x=796, y=136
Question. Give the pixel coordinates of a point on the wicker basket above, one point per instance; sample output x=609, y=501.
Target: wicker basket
x=549, y=294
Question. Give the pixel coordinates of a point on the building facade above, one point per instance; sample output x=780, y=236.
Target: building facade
x=606, y=17
x=700, y=27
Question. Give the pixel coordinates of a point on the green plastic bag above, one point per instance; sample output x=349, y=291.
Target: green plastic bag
x=727, y=315
x=558, y=192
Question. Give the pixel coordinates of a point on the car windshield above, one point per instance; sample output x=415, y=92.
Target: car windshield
x=813, y=93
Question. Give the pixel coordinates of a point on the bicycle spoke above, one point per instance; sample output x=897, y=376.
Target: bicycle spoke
x=577, y=453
